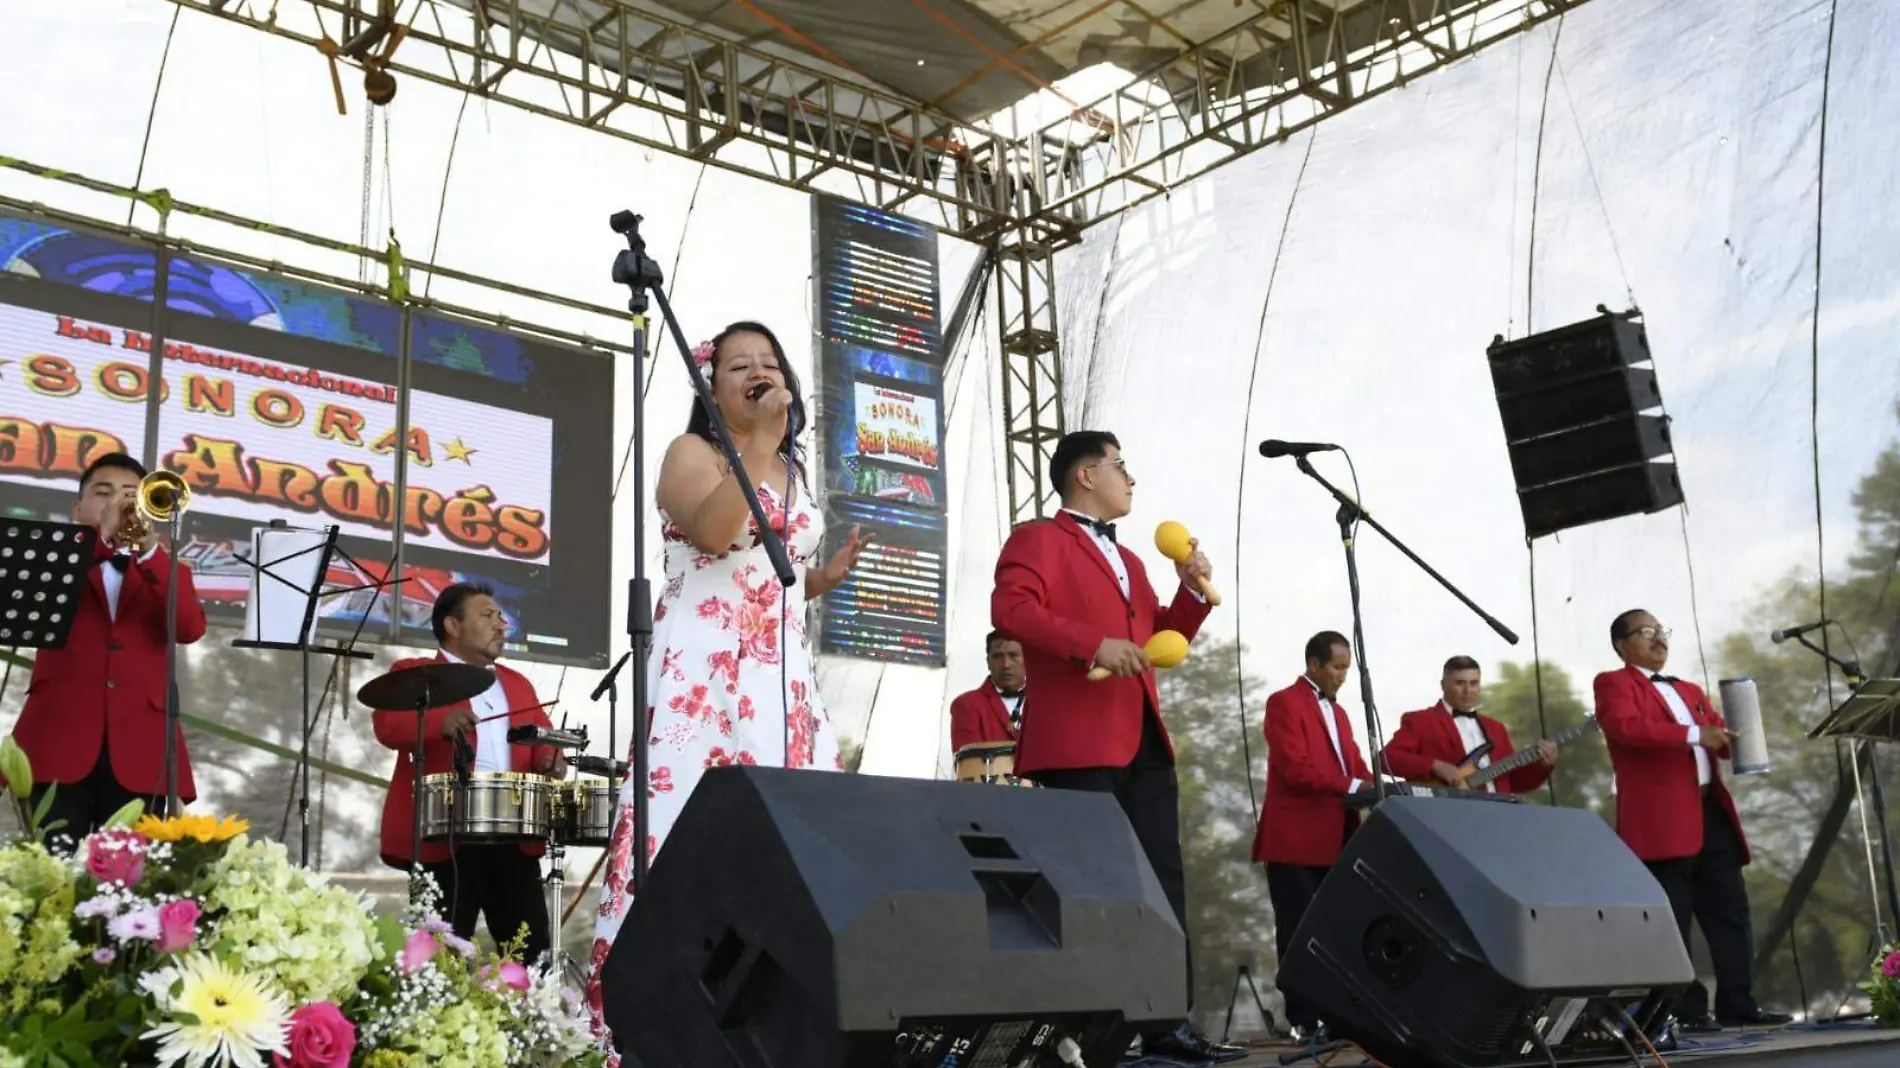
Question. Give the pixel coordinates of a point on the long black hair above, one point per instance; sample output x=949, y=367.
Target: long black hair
x=700, y=422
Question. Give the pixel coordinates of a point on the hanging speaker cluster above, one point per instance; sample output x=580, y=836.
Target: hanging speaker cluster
x=1581, y=415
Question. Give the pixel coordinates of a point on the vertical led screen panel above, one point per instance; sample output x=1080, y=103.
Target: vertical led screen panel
x=281, y=400
x=880, y=425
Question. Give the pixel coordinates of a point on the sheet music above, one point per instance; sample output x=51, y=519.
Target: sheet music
x=277, y=609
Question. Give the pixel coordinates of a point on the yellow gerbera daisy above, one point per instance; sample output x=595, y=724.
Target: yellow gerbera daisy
x=235, y=1017
x=198, y=828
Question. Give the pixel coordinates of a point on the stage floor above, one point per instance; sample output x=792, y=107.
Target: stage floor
x=1856, y=1045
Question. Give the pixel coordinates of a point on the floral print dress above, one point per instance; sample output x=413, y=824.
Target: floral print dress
x=724, y=690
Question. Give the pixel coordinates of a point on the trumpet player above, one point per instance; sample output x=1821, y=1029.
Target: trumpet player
x=94, y=721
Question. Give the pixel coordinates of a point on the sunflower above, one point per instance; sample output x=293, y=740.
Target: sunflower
x=233, y=1015
x=197, y=828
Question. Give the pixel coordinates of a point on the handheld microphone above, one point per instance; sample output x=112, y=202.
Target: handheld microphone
x=1273, y=447
x=1783, y=635
x=758, y=391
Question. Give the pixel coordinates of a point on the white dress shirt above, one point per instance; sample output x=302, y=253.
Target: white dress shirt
x=491, y=734
x=1680, y=709
x=1327, y=717
x=114, y=580
x=1013, y=705
x=1109, y=550
x=1471, y=733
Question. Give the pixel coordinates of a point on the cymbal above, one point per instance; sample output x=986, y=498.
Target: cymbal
x=433, y=685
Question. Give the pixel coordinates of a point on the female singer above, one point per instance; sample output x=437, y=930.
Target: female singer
x=730, y=681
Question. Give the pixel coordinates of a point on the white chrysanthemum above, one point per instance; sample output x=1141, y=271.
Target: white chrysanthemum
x=233, y=1017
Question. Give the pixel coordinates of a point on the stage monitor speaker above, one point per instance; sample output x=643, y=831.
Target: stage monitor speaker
x=1461, y=935
x=804, y=918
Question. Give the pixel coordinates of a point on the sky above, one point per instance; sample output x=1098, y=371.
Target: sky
x=1340, y=286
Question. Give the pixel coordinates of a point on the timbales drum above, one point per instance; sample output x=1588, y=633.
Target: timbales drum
x=493, y=806
x=584, y=813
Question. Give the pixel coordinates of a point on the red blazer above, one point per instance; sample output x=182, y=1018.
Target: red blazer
x=980, y=716
x=1303, y=818
x=106, y=686
x=397, y=730
x=1431, y=734
x=1658, y=807
x=1056, y=594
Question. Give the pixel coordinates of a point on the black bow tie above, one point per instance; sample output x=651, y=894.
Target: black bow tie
x=1471, y=714
x=1101, y=526
x=118, y=561
x=1670, y=679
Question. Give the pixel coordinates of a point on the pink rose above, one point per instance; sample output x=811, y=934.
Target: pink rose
x=116, y=856
x=418, y=950
x=511, y=974
x=320, y=1037
x=177, y=925
x=1891, y=966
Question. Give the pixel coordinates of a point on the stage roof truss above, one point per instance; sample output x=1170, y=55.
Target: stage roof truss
x=822, y=95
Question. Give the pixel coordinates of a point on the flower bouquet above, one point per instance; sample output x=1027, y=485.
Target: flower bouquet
x=1883, y=987
x=183, y=942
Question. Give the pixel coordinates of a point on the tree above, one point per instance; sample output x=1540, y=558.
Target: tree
x=1230, y=920
x=1582, y=776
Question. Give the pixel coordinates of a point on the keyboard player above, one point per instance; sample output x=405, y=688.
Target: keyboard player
x=1313, y=764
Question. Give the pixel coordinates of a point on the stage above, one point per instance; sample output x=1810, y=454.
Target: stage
x=1855, y=1045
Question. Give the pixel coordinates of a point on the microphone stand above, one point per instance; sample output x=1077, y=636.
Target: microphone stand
x=611, y=687
x=172, y=712
x=1349, y=516
x=637, y=271
x=1850, y=668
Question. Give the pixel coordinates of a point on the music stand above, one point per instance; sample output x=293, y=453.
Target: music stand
x=43, y=568
x=281, y=614
x=1870, y=714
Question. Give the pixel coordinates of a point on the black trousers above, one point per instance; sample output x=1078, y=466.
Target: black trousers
x=502, y=885
x=86, y=805
x=1291, y=888
x=1708, y=888
x=1151, y=799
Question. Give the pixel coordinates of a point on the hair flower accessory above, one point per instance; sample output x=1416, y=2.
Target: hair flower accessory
x=703, y=356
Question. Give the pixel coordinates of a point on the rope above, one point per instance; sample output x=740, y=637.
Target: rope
x=151, y=114
x=1530, y=316
x=1246, y=435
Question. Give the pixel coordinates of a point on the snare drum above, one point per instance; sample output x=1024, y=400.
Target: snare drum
x=584, y=813
x=490, y=807
x=989, y=762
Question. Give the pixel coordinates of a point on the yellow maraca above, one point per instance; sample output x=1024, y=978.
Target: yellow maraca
x=1176, y=544
x=1166, y=649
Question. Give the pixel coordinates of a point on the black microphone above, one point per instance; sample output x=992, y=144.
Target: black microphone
x=758, y=391
x=612, y=674
x=1273, y=447
x=1780, y=636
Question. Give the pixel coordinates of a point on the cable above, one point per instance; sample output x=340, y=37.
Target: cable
x=151, y=114
x=1647, y=1044
x=1590, y=168
x=442, y=202
x=1537, y=664
x=1246, y=435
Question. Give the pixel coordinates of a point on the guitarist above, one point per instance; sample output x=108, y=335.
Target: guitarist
x=1430, y=744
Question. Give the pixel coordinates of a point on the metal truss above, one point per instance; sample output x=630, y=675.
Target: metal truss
x=660, y=84
x=1300, y=62
x=1032, y=367
x=745, y=107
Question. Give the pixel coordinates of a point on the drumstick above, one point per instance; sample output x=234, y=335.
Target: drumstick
x=512, y=711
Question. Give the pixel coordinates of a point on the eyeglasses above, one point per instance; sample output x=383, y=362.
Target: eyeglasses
x=1117, y=462
x=1649, y=632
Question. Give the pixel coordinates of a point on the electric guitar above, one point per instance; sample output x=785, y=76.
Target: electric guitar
x=1473, y=778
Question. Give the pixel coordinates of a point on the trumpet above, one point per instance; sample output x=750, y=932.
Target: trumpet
x=161, y=497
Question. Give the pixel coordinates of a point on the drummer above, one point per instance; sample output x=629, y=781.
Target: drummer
x=499, y=881
x=993, y=712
